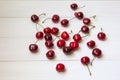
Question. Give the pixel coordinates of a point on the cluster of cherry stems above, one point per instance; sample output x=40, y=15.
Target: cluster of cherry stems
x=61, y=43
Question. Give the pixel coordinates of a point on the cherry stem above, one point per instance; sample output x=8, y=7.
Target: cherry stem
x=81, y=7
x=71, y=18
x=70, y=32
x=58, y=36
x=36, y=27
x=85, y=35
x=42, y=14
x=101, y=29
x=92, y=27
x=45, y=20
x=93, y=17
x=92, y=61
x=89, y=70
x=40, y=25
x=36, y=41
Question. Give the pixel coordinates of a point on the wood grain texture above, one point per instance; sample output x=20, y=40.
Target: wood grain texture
x=17, y=32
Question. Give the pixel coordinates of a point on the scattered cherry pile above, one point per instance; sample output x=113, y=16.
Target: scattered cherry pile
x=48, y=32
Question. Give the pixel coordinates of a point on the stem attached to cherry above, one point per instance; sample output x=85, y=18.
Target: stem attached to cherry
x=92, y=61
x=89, y=70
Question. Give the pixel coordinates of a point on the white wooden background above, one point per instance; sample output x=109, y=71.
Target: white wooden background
x=17, y=32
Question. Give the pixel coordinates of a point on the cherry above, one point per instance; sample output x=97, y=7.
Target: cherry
x=67, y=50
x=101, y=36
x=48, y=37
x=60, y=67
x=77, y=37
x=61, y=43
x=49, y=44
x=96, y=53
x=39, y=35
x=47, y=30
x=34, y=18
x=78, y=15
x=64, y=22
x=86, y=21
x=33, y=47
x=55, y=18
x=74, y=45
x=91, y=44
x=74, y=6
x=50, y=54
x=85, y=29
x=85, y=61
x=65, y=35
x=55, y=30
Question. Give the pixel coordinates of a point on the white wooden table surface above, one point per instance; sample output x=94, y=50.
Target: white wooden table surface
x=17, y=32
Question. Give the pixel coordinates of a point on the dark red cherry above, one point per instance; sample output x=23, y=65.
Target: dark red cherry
x=77, y=37
x=47, y=30
x=78, y=15
x=33, y=47
x=39, y=35
x=48, y=37
x=34, y=18
x=55, y=18
x=91, y=44
x=85, y=29
x=55, y=30
x=74, y=6
x=101, y=36
x=67, y=50
x=49, y=44
x=96, y=52
x=61, y=43
x=74, y=45
x=50, y=54
x=60, y=67
x=65, y=35
x=86, y=21
x=64, y=22
x=85, y=60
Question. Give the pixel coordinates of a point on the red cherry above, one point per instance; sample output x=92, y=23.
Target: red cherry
x=48, y=37
x=77, y=37
x=91, y=44
x=67, y=50
x=96, y=52
x=33, y=47
x=85, y=29
x=60, y=67
x=85, y=60
x=61, y=43
x=74, y=6
x=65, y=35
x=101, y=36
x=50, y=54
x=49, y=44
x=55, y=18
x=47, y=30
x=74, y=45
x=55, y=30
x=86, y=21
x=78, y=15
x=64, y=22
x=39, y=35
x=34, y=18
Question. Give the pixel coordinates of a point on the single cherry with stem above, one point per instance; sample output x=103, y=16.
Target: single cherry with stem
x=54, y=30
x=48, y=37
x=60, y=67
x=74, y=45
x=67, y=50
x=87, y=21
x=50, y=54
x=101, y=35
x=85, y=61
x=47, y=30
x=65, y=35
x=55, y=19
x=74, y=6
x=96, y=52
x=39, y=35
x=61, y=43
x=49, y=44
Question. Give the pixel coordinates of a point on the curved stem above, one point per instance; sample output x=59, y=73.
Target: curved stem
x=92, y=61
x=93, y=17
x=71, y=18
x=89, y=70
x=92, y=27
x=85, y=35
x=45, y=20
x=42, y=14
x=40, y=25
x=81, y=7
x=36, y=27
